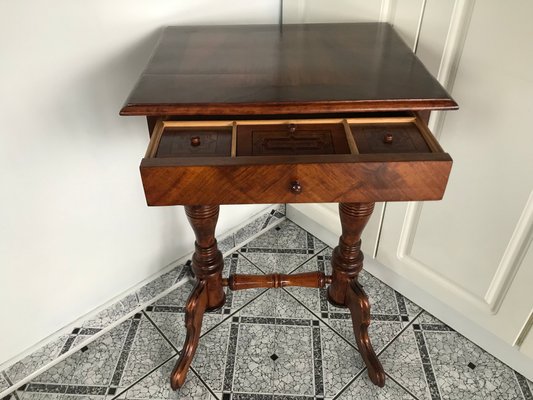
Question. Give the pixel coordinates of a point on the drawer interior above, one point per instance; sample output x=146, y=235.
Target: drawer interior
x=175, y=141
x=391, y=138
x=291, y=138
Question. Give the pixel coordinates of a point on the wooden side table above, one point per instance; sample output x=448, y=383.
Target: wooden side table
x=290, y=114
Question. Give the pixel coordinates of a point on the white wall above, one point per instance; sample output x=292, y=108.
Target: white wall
x=319, y=11
x=74, y=227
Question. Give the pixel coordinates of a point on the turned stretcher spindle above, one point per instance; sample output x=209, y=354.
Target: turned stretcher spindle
x=307, y=279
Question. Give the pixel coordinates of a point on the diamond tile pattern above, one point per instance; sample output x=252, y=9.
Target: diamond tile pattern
x=114, y=361
x=282, y=249
x=113, y=313
x=271, y=344
x=36, y=360
x=155, y=386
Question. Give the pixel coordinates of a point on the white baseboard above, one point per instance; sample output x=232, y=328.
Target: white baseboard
x=322, y=223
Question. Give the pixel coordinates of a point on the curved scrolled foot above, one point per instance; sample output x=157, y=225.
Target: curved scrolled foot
x=357, y=301
x=194, y=313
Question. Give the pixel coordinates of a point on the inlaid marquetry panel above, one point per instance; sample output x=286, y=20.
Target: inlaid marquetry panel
x=292, y=139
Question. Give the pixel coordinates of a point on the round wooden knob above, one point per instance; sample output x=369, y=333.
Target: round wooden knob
x=292, y=128
x=296, y=187
x=195, y=141
x=387, y=138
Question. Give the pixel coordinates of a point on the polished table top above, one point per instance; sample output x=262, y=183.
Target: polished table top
x=272, y=69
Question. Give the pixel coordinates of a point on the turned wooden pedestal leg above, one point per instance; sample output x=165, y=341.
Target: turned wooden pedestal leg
x=208, y=293
x=345, y=291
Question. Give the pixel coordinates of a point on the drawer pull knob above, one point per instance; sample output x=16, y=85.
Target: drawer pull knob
x=387, y=138
x=296, y=187
x=195, y=141
x=292, y=128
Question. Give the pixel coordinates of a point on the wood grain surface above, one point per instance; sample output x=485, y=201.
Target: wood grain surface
x=260, y=69
x=271, y=183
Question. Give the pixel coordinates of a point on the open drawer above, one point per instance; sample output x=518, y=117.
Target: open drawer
x=359, y=159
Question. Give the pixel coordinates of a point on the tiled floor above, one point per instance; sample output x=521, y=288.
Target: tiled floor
x=278, y=344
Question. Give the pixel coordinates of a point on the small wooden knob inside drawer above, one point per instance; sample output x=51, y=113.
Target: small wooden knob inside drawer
x=387, y=138
x=296, y=187
x=195, y=141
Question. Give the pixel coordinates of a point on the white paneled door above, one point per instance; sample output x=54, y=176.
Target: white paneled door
x=468, y=258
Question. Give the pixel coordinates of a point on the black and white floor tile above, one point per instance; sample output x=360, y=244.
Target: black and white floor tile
x=36, y=360
x=161, y=283
x=107, y=366
x=156, y=386
x=4, y=383
x=275, y=344
x=251, y=229
x=282, y=249
x=113, y=313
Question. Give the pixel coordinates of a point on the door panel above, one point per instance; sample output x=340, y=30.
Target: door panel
x=405, y=17
x=433, y=33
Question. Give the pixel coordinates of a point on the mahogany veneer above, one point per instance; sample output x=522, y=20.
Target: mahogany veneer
x=354, y=159
x=262, y=69
x=291, y=114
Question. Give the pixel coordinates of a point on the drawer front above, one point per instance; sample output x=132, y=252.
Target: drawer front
x=296, y=183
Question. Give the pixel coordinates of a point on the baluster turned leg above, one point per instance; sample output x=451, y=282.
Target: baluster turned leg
x=345, y=291
x=208, y=293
